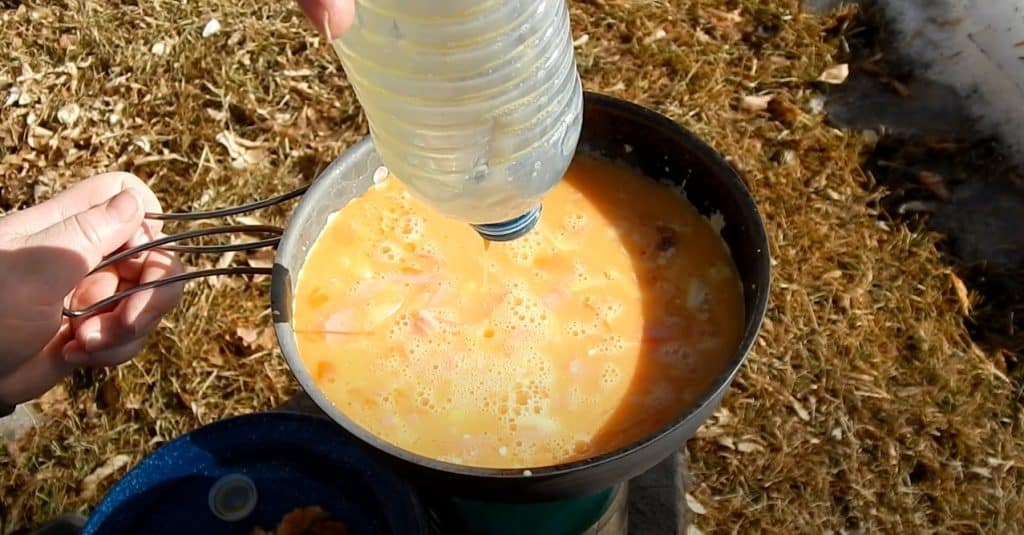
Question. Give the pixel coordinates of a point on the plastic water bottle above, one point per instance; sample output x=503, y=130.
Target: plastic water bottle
x=475, y=105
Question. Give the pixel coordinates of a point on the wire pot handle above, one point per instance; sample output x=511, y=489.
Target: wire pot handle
x=168, y=243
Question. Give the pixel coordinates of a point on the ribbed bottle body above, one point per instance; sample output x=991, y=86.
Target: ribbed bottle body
x=475, y=104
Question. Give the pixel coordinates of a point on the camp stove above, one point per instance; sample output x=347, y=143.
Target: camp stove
x=374, y=483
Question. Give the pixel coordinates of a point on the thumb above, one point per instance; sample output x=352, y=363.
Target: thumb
x=89, y=235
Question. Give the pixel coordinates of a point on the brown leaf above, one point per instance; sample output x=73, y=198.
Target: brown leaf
x=309, y=520
x=834, y=274
x=212, y=27
x=783, y=111
x=69, y=114
x=727, y=442
x=258, y=338
x=900, y=88
x=214, y=358
x=243, y=152
x=999, y=361
x=216, y=115
x=55, y=402
x=755, y=102
x=981, y=471
x=725, y=25
x=249, y=220
x=105, y=470
x=39, y=137
x=835, y=74
x=724, y=18
x=658, y=35
x=260, y=258
x=961, y=294
x=224, y=261
x=935, y=184
x=749, y=447
x=249, y=335
x=188, y=402
x=800, y=410
x=109, y=394
x=694, y=505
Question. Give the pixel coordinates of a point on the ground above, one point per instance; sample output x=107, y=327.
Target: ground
x=865, y=406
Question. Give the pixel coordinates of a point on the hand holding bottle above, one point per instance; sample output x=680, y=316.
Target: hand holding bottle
x=476, y=106
x=329, y=17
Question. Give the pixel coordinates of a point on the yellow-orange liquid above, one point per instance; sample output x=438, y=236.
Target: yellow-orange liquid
x=599, y=327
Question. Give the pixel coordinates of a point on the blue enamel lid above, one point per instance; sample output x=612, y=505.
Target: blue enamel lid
x=236, y=474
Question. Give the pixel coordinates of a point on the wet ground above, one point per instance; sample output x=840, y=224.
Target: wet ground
x=940, y=174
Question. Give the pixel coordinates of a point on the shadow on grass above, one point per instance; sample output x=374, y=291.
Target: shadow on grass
x=940, y=175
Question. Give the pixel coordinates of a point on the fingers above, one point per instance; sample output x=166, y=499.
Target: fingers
x=54, y=260
x=48, y=251
x=75, y=355
x=96, y=287
x=136, y=316
x=112, y=338
x=131, y=268
x=330, y=17
x=148, y=306
x=41, y=269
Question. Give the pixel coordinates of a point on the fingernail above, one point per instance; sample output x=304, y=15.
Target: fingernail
x=123, y=207
x=92, y=340
x=77, y=357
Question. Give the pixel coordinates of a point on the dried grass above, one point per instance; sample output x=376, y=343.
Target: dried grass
x=865, y=406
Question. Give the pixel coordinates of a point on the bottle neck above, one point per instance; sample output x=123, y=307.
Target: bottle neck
x=512, y=229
